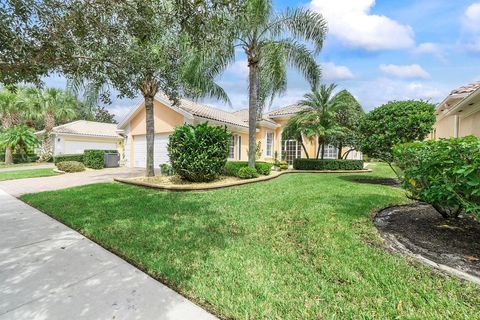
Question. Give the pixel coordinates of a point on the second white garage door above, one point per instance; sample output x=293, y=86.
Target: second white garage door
x=160, y=154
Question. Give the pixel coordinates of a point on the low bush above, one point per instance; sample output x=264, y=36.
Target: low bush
x=94, y=158
x=283, y=165
x=232, y=167
x=199, y=152
x=444, y=173
x=327, y=164
x=68, y=157
x=70, y=166
x=247, y=173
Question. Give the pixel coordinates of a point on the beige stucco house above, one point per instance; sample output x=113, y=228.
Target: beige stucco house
x=459, y=114
x=77, y=136
x=167, y=117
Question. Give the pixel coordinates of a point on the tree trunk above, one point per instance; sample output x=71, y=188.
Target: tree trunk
x=252, y=110
x=46, y=149
x=149, y=89
x=340, y=147
x=323, y=149
x=319, y=144
x=8, y=155
x=304, y=149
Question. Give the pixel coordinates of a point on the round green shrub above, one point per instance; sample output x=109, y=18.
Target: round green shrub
x=263, y=168
x=198, y=153
x=247, y=173
x=70, y=166
x=444, y=173
x=93, y=159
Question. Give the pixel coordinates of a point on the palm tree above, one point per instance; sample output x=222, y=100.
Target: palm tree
x=318, y=119
x=51, y=105
x=269, y=42
x=10, y=115
x=19, y=137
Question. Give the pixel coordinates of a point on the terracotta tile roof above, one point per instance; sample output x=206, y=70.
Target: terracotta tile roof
x=285, y=111
x=243, y=114
x=467, y=89
x=211, y=113
x=88, y=128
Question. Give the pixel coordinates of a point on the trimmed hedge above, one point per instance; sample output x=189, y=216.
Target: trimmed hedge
x=232, y=167
x=94, y=158
x=70, y=166
x=247, y=173
x=20, y=158
x=68, y=157
x=327, y=164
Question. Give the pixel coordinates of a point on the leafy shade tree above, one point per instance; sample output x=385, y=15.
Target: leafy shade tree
x=10, y=115
x=52, y=106
x=395, y=123
x=20, y=138
x=270, y=43
x=101, y=114
x=151, y=47
x=348, y=114
x=318, y=120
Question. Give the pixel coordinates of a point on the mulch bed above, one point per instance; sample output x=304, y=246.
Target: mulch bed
x=383, y=182
x=422, y=230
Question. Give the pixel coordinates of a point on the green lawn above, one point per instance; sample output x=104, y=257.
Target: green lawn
x=21, y=174
x=301, y=246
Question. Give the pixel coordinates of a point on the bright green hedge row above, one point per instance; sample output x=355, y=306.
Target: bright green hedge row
x=68, y=157
x=94, y=158
x=327, y=164
x=232, y=168
x=20, y=158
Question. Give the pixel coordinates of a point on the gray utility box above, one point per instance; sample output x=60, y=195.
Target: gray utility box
x=111, y=160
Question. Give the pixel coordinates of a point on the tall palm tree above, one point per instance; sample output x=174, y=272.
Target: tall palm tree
x=270, y=43
x=51, y=105
x=318, y=119
x=10, y=115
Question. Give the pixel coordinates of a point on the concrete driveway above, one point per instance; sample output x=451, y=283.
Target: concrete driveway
x=49, y=271
x=23, y=186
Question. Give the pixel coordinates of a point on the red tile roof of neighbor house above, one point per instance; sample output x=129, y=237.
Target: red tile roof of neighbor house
x=467, y=89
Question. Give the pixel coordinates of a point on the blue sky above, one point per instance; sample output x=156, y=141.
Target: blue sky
x=378, y=50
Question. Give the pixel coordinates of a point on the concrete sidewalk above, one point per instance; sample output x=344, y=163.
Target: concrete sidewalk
x=49, y=271
x=63, y=181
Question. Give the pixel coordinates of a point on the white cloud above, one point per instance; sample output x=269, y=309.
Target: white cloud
x=471, y=26
x=352, y=23
x=430, y=48
x=332, y=72
x=413, y=71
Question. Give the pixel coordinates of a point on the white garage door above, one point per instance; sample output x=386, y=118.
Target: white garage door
x=77, y=147
x=160, y=154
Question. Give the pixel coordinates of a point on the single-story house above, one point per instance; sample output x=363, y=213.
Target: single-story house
x=459, y=114
x=77, y=136
x=167, y=117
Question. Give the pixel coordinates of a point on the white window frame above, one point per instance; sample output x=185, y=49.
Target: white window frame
x=231, y=148
x=272, y=143
x=239, y=144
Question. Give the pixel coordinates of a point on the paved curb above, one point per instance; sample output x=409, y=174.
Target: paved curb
x=185, y=188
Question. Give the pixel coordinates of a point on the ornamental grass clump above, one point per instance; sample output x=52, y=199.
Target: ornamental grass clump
x=198, y=153
x=444, y=173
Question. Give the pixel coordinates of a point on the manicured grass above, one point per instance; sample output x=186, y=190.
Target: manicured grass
x=3, y=165
x=301, y=246
x=22, y=174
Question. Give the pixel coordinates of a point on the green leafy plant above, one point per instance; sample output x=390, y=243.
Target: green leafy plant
x=166, y=169
x=232, y=167
x=19, y=138
x=199, y=152
x=394, y=123
x=443, y=173
x=327, y=164
x=94, y=158
x=283, y=165
x=247, y=173
x=68, y=157
x=263, y=168
x=70, y=166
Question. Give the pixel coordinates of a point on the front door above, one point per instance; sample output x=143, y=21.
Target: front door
x=291, y=150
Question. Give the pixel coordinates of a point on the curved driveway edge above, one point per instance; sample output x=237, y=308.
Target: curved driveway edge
x=49, y=271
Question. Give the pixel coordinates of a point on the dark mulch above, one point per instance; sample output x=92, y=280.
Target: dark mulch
x=421, y=229
x=383, y=182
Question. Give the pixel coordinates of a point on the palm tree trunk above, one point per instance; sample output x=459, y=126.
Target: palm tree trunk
x=340, y=147
x=323, y=149
x=7, y=123
x=252, y=110
x=304, y=149
x=49, y=122
x=8, y=155
x=149, y=89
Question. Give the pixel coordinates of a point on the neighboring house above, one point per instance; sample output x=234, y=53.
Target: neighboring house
x=459, y=114
x=167, y=117
x=77, y=136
